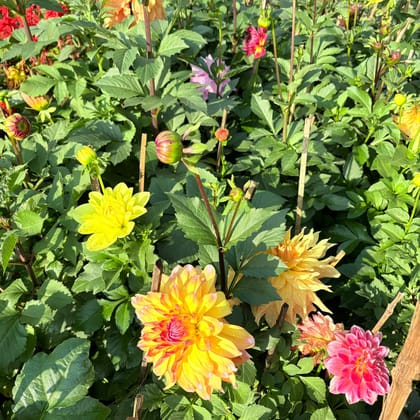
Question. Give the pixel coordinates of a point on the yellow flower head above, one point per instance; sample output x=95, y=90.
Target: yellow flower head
x=86, y=155
x=416, y=179
x=108, y=216
x=297, y=286
x=37, y=103
x=410, y=121
x=185, y=334
x=155, y=9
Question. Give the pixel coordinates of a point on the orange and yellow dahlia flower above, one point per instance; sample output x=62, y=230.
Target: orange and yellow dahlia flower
x=185, y=335
x=297, y=286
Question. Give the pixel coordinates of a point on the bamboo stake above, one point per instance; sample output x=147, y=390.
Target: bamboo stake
x=301, y=187
x=406, y=370
x=142, y=161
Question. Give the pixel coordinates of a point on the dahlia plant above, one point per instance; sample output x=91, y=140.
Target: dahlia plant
x=208, y=209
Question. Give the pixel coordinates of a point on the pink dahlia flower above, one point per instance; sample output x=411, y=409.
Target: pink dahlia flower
x=210, y=81
x=356, y=359
x=255, y=41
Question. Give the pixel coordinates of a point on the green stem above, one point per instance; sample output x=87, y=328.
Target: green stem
x=276, y=64
x=220, y=247
x=230, y=228
x=413, y=212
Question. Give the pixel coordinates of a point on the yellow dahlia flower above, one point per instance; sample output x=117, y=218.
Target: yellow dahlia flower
x=155, y=9
x=297, y=286
x=409, y=122
x=185, y=335
x=108, y=216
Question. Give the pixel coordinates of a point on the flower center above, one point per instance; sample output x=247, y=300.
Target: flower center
x=360, y=364
x=177, y=330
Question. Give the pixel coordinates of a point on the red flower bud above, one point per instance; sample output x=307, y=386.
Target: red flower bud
x=222, y=134
x=168, y=147
x=17, y=126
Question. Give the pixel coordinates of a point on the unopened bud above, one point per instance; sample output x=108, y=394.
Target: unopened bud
x=86, y=155
x=264, y=22
x=221, y=134
x=416, y=179
x=168, y=147
x=236, y=194
x=17, y=126
x=400, y=99
x=394, y=57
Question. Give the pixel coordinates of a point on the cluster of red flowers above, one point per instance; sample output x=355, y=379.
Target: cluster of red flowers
x=9, y=22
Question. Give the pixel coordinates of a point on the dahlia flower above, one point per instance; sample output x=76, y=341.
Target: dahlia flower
x=207, y=80
x=297, y=286
x=356, y=360
x=168, y=147
x=108, y=216
x=316, y=332
x=410, y=121
x=118, y=10
x=155, y=10
x=185, y=335
x=86, y=155
x=17, y=126
x=255, y=41
x=37, y=103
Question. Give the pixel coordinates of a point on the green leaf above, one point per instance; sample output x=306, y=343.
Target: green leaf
x=121, y=86
x=123, y=316
x=29, y=222
x=89, y=316
x=361, y=97
x=55, y=294
x=315, y=388
x=7, y=249
x=255, y=411
x=87, y=409
x=13, y=292
x=172, y=44
x=200, y=413
x=36, y=313
x=255, y=291
x=37, y=85
x=193, y=219
x=12, y=335
x=263, y=266
x=324, y=413
x=90, y=280
x=262, y=108
x=305, y=365
x=247, y=373
x=55, y=381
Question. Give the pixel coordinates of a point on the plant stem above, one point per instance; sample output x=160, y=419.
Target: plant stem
x=216, y=232
x=234, y=13
x=413, y=212
x=27, y=264
x=142, y=161
x=149, y=48
x=276, y=64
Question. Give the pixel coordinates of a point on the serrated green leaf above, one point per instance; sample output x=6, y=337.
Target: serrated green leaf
x=29, y=222
x=255, y=291
x=36, y=313
x=12, y=335
x=262, y=108
x=37, y=85
x=361, y=97
x=315, y=388
x=7, y=249
x=89, y=316
x=54, y=381
x=90, y=280
x=13, y=292
x=247, y=373
x=263, y=266
x=324, y=413
x=87, y=409
x=172, y=44
x=304, y=366
x=121, y=86
x=193, y=219
x=255, y=411
x=200, y=413
x=55, y=294
x=123, y=316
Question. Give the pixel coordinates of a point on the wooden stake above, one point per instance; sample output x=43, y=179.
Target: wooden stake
x=301, y=187
x=142, y=161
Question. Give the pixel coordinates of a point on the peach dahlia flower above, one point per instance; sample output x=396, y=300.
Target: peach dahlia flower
x=185, y=335
x=297, y=286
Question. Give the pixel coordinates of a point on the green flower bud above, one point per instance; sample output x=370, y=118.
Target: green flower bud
x=168, y=147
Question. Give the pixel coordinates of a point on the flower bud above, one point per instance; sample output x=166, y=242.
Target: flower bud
x=416, y=179
x=168, y=147
x=86, y=155
x=236, y=194
x=394, y=58
x=221, y=134
x=17, y=126
x=264, y=22
x=400, y=99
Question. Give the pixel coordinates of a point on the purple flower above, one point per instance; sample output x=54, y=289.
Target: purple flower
x=213, y=81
